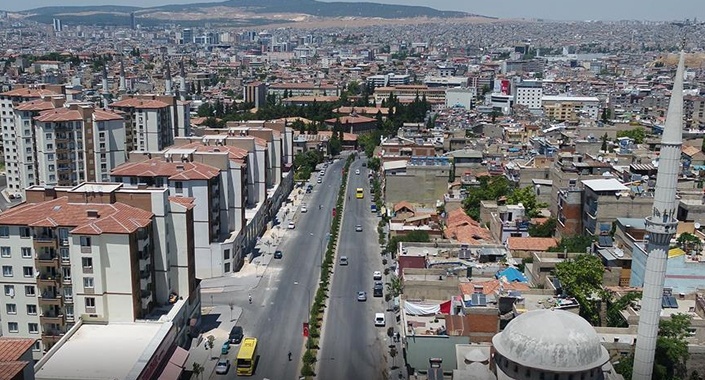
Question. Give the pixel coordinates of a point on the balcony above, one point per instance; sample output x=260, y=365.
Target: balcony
x=50, y=299
x=46, y=259
x=48, y=279
x=44, y=237
x=51, y=318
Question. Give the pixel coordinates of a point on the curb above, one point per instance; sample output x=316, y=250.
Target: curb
x=332, y=275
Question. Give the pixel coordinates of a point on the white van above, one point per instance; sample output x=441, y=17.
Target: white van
x=379, y=320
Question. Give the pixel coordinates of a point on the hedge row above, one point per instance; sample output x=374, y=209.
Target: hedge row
x=319, y=301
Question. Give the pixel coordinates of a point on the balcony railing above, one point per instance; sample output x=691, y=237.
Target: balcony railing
x=44, y=237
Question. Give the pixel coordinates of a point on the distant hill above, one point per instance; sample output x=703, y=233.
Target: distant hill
x=254, y=11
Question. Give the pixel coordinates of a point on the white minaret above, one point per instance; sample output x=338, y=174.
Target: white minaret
x=182, y=79
x=661, y=227
x=122, y=76
x=167, y=82
x=106, y=90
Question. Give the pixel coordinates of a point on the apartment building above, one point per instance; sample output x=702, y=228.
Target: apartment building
x=605, y=200
x=407, y=93
x=77, y=143
x=570, y=108
x=304, y=89
x=529, y=94
x=152, y=121
x=96, y=251
x=8, y=100
x=255, y=93
x=387, y=80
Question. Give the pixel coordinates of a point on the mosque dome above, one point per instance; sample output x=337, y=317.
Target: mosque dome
x=551, y=340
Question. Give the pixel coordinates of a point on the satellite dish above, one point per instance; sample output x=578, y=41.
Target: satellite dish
x=696, y=225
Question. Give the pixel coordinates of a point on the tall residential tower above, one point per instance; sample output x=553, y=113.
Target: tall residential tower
x=661, y=227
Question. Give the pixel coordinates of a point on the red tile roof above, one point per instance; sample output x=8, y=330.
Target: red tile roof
x=115, y=218
x=106, y=115
x=352, y=120
x=187, y=202
x=10, y=370
x=462, y=228
x=28, y=92
x=35, y=105
x=235, y=153
x=12, y=349
x=492, y=286
x=139, y=103
x=174, y=170
x=59, y=115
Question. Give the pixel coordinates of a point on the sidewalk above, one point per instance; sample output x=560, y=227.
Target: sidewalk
x=217, y=321
x=249, y=276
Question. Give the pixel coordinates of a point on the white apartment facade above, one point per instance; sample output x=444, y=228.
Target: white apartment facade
x=84, y=252
x=77, y=143
x=151, y=121
x=8, y=100
x=529, y=94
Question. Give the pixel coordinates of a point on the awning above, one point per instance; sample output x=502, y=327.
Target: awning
x=175, y=366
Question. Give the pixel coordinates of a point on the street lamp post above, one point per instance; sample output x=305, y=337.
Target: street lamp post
x=322, y=248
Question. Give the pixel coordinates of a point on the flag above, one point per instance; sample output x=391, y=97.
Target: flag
x=306, y=329
x=445, y=308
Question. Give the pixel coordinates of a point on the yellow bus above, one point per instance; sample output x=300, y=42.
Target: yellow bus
x=246, y=357
x=359, y=193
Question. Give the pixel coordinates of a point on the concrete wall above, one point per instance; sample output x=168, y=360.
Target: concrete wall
x=420, y=184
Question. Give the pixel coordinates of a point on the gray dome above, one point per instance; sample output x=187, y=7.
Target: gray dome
x=551, y=340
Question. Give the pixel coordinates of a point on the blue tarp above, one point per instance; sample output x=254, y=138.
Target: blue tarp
x=512, y=275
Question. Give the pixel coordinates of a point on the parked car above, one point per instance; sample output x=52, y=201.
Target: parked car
x=278, y=254
x=343, y=260
x=320, y=180
x=357, y=171
x=225, y=348
x=222, y=367
x=380, y=320
x=358, y=228
x=362, y=296
x=291, y=225
x=377, y=275
x=236, y=335
x=304, y=208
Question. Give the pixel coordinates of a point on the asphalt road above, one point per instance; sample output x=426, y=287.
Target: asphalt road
x=352, y=347
x=281, y=301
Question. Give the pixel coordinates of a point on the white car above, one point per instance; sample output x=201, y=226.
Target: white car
x=358, y=228
x=343, y=260
x=357, y=171
x=291, y=226
x=222, y=367
x=380, y=320
x=304, y=208
x=377, y=275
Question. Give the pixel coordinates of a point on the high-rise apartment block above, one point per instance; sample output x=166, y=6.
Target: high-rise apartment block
x=94, y=252
x=152, y=121
x=11, y=130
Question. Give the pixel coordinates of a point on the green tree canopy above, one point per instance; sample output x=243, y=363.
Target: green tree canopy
x=545, y=229
x=527, y=197
x=638, y=134
x=581, y=277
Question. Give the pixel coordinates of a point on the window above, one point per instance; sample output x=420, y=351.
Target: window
x=90, y=303
x=12, y=327
x=37, y=345
x=7, y=270
x=28, y=271
x=68, y=293
x=179, y=187
x=29, y=291
x=10, y=290
x=11, y=308
x=5, y=252
x=26, y=252
x=33, y=328
x=88, y=282
x=65, y=254
x=226, y=254
x=87, y=264
x=31, y=309
x=25, y=232
x=85, y=241
x=4, y=231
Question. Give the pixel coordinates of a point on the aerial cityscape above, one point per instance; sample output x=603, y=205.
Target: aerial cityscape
x=343, y=190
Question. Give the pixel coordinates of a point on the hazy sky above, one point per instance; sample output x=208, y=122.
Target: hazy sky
x=550, y=9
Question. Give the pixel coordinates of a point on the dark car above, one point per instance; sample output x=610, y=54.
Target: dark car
x=378, y=290
x=236, y=335
x=278, y=254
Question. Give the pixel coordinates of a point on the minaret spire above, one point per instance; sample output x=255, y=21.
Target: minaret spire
x=167, y=77
x=122, y=76
x=661, y=227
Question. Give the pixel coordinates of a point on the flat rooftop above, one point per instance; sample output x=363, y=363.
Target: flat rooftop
x=104, y=352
